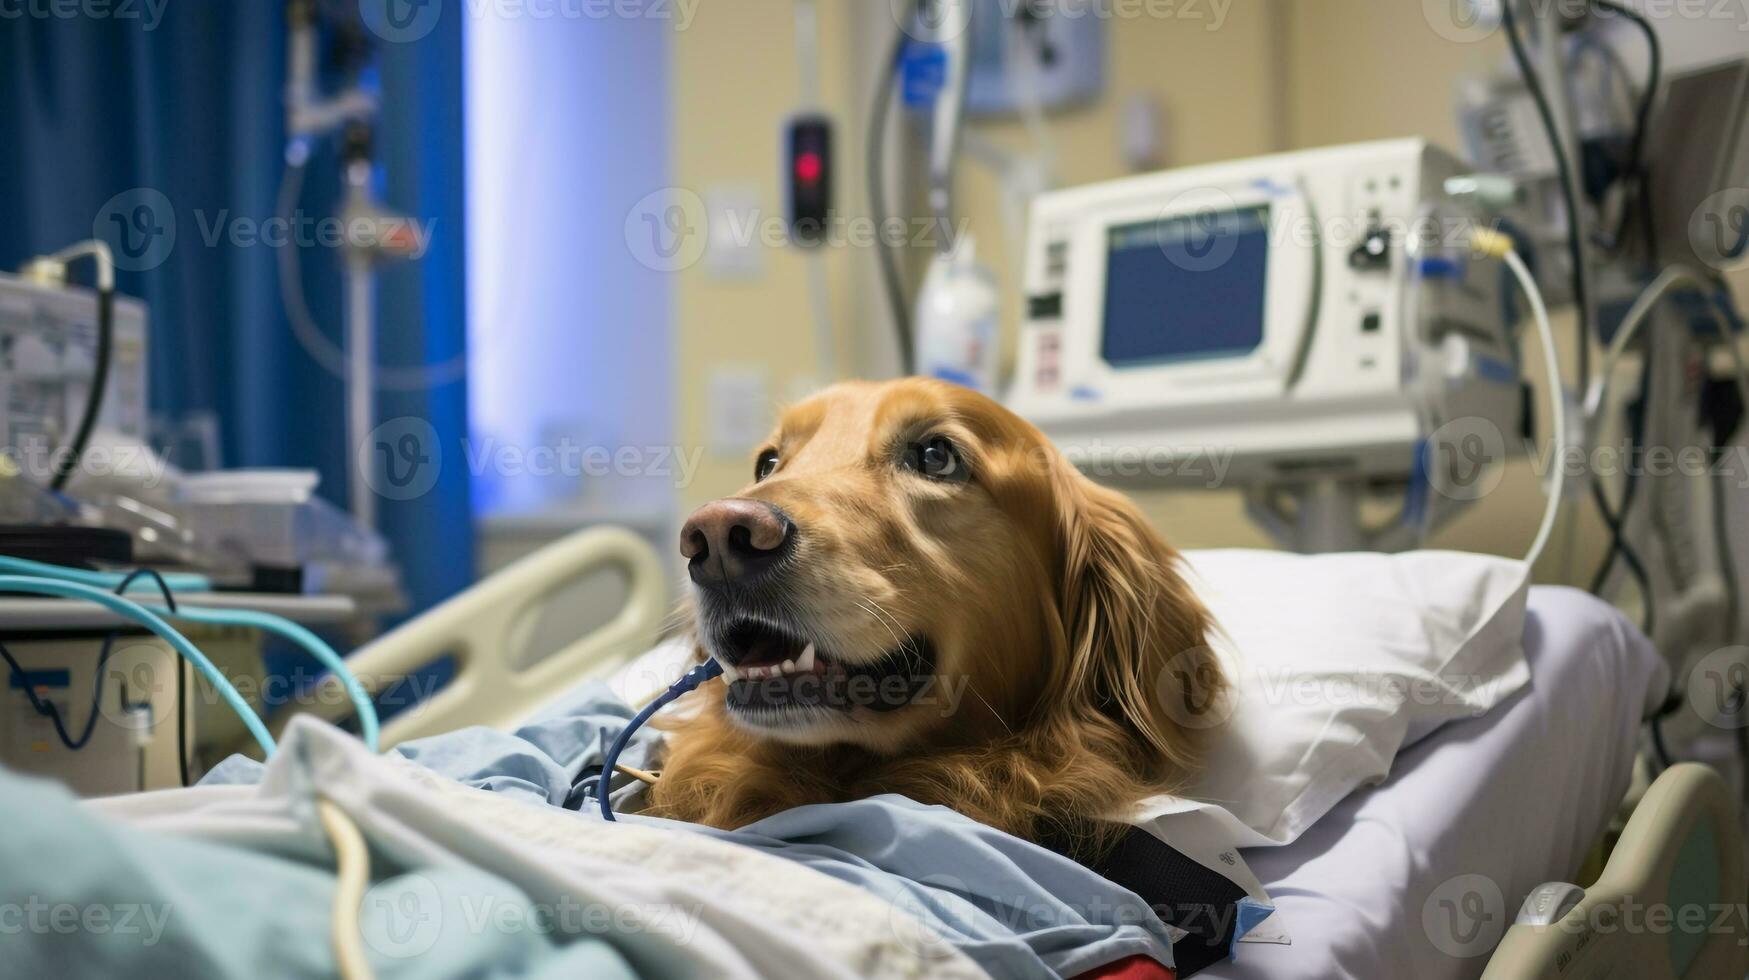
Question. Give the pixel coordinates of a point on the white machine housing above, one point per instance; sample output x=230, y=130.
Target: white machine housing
x=48, y=346
x=1344, y=339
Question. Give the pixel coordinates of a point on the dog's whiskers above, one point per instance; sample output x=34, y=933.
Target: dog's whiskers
x=883, y=617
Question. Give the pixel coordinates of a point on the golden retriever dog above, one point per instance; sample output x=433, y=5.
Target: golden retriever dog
x=918, y=595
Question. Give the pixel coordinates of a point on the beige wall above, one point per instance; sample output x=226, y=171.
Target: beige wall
x=736, y=81
x=1277, y=74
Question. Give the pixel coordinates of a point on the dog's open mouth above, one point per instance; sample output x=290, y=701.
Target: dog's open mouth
x=772, y=671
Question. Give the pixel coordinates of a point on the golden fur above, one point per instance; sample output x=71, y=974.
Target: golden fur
x=1079, y=647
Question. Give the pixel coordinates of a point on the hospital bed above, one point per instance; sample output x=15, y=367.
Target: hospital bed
x=1420, y=876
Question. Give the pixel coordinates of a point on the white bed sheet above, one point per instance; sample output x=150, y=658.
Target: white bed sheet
x=1418, y=876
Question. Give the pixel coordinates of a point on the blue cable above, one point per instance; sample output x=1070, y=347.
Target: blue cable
x=369, y=727
x=131, y=610
x=176, y=581
x=313, y=644
x=691, y=679
x=47, y=708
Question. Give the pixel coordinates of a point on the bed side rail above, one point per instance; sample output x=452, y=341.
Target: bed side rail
x=1670, y=903
x=480, y=629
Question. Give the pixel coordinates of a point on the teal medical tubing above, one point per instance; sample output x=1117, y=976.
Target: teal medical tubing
x=176, y=581
x=267, y=622
x=183, y=582
x=129, y=609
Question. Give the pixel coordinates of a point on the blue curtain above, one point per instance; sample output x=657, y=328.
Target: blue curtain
x=190, y=107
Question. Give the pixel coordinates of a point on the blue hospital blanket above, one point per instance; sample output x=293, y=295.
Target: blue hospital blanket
x=1016, y=909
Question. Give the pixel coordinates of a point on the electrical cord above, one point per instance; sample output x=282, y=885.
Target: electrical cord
x=1569, y=188
x=182, y=722
x=169, y=596
x=1648, y=98
x=92, y=582
x=687, y=682
x=1637, y=316
x=98, y=251
x=128, y=609
x=1620, y=548
x=1616, y=520
x=48, y=709
x=875, y=168
x=69, y=461
x=73, y=584
x=1660, y=750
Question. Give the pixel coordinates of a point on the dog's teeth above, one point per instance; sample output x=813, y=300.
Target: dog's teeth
x=805, y=662
x=788, y=667
x=730, y=674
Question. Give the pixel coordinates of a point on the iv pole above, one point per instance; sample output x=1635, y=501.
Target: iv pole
x=311, y=116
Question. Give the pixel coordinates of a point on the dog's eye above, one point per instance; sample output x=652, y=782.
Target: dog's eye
x=765, y=464
x=936, y=458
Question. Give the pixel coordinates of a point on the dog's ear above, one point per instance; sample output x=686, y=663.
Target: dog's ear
x=1137, y=635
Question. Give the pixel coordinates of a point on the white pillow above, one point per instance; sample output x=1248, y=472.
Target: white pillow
x=1338, y=661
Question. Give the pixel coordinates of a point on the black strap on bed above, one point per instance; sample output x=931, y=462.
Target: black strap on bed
x=1183, y=893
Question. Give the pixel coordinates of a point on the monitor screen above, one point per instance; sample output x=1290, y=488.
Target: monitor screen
x=1185, y=287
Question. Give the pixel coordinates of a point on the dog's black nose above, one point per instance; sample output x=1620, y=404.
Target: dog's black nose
x=734, y=541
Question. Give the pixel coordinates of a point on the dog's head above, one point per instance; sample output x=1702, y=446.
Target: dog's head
x=914, y=561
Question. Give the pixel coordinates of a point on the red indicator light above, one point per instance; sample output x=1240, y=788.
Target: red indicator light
x=808, y=167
